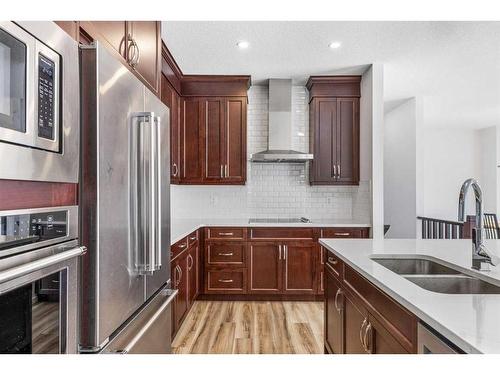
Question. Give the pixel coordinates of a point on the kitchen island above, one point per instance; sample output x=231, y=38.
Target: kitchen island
x=468, y=321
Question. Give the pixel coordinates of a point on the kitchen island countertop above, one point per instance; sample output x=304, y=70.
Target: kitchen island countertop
x=470, y=321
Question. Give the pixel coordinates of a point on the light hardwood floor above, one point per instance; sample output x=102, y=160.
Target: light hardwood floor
x=221, y=327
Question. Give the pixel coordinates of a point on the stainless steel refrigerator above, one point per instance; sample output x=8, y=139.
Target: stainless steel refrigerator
x=125, y=210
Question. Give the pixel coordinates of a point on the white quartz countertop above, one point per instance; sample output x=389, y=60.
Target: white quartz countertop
x=182, y=227
x=471, y=321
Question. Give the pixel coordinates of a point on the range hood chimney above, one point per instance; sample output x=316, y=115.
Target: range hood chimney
x=279, y=148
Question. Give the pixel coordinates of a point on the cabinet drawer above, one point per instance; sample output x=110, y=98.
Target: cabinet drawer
x=178, y=248
x=400, y=322
x=192, y=238
x=225, y=233
x=227, y=281
x=230, y=254
x=278, y=233
x=344, y=233
x=334, y=264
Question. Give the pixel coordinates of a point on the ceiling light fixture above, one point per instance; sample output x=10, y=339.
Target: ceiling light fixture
x=334, y=45
x=242, y=44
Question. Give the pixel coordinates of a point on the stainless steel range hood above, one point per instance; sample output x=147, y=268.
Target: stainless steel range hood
x=280, y=127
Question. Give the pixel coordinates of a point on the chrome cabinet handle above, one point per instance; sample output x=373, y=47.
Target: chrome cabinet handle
x=361, y=333
x=279, y=252
x=193, y=238
x=175, y=170
x=342, y=234
x=368, y=345
x=332, y=260
x=225, y=280
x=226, y=233
x=340, y=173
x=190, y=265
x=133, y=59
x=339, y=292
x=285, y=251
x=182, y=246
x=226, y=171
x=221, y=171
x=180, y=273
x=335, y=171
x=226, y=254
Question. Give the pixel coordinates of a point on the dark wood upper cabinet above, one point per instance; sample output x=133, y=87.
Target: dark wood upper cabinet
x=265, y=271
x=235, y=137
x=192, y=140
x=138, y=43
x=334, y=130
x=300, y=267
x=214, y=109
x=144, y=50
x=171, y=99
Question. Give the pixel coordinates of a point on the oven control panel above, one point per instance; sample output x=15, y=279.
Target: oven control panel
x=46, y=99
x=23, y=229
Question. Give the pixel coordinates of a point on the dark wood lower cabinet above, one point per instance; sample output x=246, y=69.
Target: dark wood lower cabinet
x=300, y=268
x=334, y=320
x=361, y=319
x=193, y=273
x=265, y=268
x=179, y=271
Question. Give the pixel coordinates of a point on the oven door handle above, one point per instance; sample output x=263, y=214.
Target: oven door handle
x=39, y=264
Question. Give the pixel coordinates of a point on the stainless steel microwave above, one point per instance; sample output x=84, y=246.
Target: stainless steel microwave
x=39, y=102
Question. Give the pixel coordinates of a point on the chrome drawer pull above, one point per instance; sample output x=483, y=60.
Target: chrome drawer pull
x=193, y=238
x=343, y=234
x=225, y=280
x=332, y=260
x=182, y=246
x=226, y=233
x=365, y=336
x=362, y=334
x=226, y=254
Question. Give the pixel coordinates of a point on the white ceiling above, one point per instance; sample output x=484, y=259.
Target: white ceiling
x=453, y=66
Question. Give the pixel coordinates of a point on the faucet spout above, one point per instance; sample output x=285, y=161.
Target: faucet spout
x=480, y=254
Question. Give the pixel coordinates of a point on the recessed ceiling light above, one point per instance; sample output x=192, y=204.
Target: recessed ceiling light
x=242, y=44
x=334, y=45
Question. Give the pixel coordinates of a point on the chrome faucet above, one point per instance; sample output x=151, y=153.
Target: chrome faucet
x=480, y=254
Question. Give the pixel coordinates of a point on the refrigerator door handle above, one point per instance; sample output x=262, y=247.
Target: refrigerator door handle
x=158, y=204
x=145, y=191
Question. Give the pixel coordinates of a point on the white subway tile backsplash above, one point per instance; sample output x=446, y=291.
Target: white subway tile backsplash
x=274, y=190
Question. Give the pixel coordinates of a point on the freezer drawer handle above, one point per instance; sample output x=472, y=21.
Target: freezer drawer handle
x=37, y=265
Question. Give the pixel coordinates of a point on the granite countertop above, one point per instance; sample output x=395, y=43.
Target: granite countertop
x=182, y=227
x=468, y=320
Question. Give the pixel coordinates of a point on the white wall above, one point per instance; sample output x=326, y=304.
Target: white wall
x=400, y=169
x=450, y=157
x=372, y=142
x=487, y=174
x=275, y=190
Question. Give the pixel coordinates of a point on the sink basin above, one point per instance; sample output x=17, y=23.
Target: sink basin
x=460, y=284
x=436, y=277
x=415, y=266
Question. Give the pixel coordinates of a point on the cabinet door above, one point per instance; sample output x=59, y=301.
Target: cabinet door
x=325, y=140
x=213, y=109
x=180, y=277
x=265, y=268
x=334, y=315
x=145, y=56
x=347, y=141
x=300, y=267
x=235, y=135
x=193, y=271
x=380, y=341
x=191, y=141
x=355, y=323
x=114, y=34
x=171, y=99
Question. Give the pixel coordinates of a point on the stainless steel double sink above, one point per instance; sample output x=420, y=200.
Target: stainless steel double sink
x=436, y=277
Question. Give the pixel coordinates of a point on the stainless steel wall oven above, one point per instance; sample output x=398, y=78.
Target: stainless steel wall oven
x=39, y=267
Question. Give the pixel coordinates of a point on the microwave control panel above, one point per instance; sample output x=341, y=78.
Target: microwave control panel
x=46, y=99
